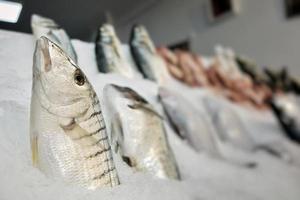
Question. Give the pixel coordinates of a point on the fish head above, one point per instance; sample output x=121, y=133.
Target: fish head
x=140, y=36
x=59, y=78
x=165, y=93
x=170, y=99
x=42, y=22
x=140, y=32
x=107, y=34
x=127, y=95
x=174, y=100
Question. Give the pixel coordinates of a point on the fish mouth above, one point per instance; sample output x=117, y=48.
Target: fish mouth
x=107, y=28
x=42, y=59
x=164, y=92
x=38, y=20
x=106, y=33
x=141, y=32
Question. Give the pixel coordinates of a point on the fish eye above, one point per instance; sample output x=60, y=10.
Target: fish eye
x=79, y=77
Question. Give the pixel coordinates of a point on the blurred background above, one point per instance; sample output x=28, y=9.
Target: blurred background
x=265, y=30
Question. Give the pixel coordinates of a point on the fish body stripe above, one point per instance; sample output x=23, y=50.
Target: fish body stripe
x=95, y=132
x=104, y=152
x=91, y=134
x=98, y=153
x=96, y=102
x=101, y=163
x=100, y=140
x=94, y=114
x=104, y=173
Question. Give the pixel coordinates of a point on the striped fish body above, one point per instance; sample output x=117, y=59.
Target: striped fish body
x=69, y=139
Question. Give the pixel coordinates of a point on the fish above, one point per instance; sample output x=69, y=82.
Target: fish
x=171, y=61
x=68, y=134
x=193, y=125
x=193, y=74
x=250, y=68
x=231, y=130
x=287, y=110
x=295, y=85
x=146, y=57
x=138, y=134
x=189, y=122
x=42, y=26
x=109, y=53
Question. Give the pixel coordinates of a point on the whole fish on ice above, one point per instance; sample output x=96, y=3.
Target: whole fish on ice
x=189, y=122
x=192, y=124
x=42, y=26
x=67, y=130
x=232, y=130
x=146, y=57
x=109, y=53
x=138, y=133
x=229, y=126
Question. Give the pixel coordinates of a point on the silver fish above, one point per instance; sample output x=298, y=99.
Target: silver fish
x=67, y=130
x=110, y=55
x=190, y=123
x=287, y=109
x=194, y=125
x=42, y=26
x=232, y=130
x=146, y=57
x=138, y=133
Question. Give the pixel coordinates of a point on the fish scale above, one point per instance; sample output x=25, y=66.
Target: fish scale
x=86, y=157
x=145, y=56
x=138, y=133
x=99, y=152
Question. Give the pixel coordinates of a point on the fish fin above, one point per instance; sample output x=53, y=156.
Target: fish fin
x=146, y=107
x=129, y=161
x=76, y=132
x=276, y=151
x=116, y=135
x=34, y=150
x=54, y=38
